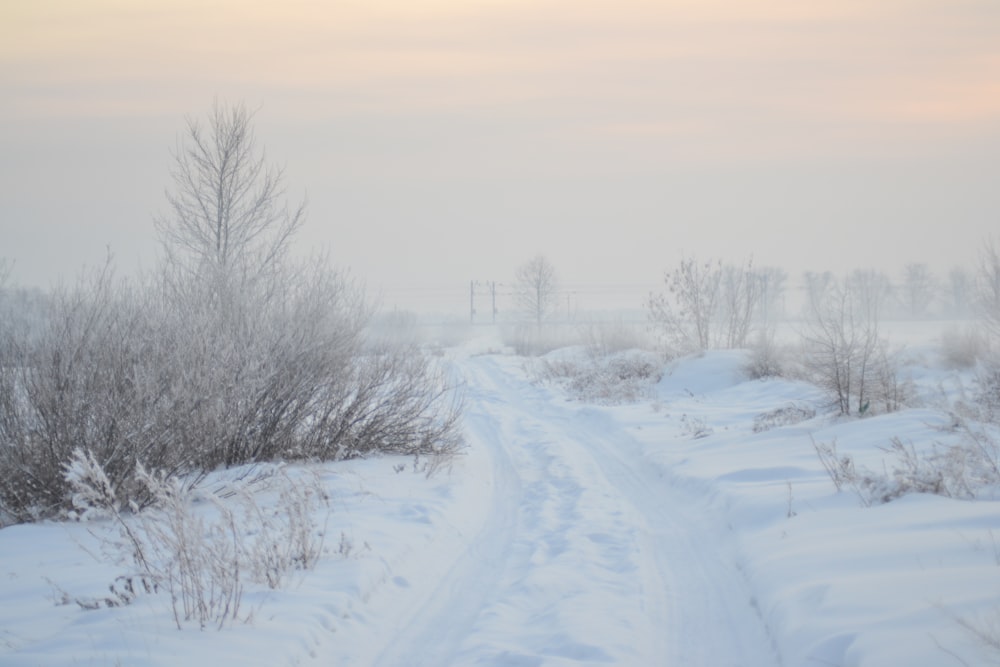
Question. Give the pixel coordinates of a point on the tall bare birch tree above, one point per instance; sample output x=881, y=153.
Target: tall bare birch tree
x=228, y=208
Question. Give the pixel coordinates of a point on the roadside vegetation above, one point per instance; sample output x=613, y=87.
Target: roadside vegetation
x=230, y=352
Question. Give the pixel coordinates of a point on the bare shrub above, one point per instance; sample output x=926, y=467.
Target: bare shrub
x=78, y=382
x=396, y=401
x=987, y=395
x=889, y=392
x=184, y=384
x=286, y=536
x=955, y=471
x=963, y=347
x=783, y=416
x=229, y=354
x=839, y=468
x=529, y=340
x=767, y=358
x=621, y=377
x=695, y=427
x=870, y=487
x=843, y=352
x=982, y=446
x=985, y=630
x=606, y=338
x=202, y=557
x=197, y=561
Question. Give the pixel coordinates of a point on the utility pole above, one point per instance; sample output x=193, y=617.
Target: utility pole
x=492, y=286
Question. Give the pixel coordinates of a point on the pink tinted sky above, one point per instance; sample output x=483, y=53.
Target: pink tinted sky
x=449, y=140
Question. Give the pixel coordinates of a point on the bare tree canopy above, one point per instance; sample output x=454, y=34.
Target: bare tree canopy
x=706, y=305
x=845, y=352
x=227, y=203
x=536, y=288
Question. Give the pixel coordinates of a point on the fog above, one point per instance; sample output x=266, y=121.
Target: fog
x=447, y=143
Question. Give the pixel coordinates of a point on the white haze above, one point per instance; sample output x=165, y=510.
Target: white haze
x=450, y=142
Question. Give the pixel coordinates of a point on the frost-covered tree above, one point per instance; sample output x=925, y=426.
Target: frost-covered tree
x=228, y=213
x=773, y=281
x=536, y=285
x=230, y=353
x=843, y=351
x=706, y=305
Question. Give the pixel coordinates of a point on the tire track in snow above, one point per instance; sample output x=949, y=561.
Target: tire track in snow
x=587, y=555
x=712, y=617
x=436, y=629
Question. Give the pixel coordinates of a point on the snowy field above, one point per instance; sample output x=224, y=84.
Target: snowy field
x=682, y=529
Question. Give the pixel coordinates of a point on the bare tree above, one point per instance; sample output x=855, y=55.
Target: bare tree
x=231, y=354
x=960, y=292
x=227, y=203
x=817, y=285
x=741, y=293
x=918, y=288
x=683, y=315
x=772, y=281
x=536, y=288
x=706, y=305
x=844, y=353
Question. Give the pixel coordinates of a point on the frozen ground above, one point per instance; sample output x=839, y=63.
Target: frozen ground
x=666, y=532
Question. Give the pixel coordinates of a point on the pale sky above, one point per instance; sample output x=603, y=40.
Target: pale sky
x=450, y=140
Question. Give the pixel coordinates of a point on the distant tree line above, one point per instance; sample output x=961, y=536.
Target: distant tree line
x=711, y=305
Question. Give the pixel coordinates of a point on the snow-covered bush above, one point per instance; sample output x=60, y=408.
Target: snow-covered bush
x=960, y=470
x=987, y=395
x=695, y=427
x=842, y=350
x=229, y=353
x=606, y=338
x=77, y=380
x=182, y=384
x=600, y=338
x=202, y=557
x=622, y=377
x=766, y=357
x=529, y=340
x=963, y=347
x=783, y=416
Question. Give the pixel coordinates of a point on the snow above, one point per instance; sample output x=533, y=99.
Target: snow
x=664, y=532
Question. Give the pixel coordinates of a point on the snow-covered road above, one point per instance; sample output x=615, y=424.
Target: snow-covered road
x=585, y=555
